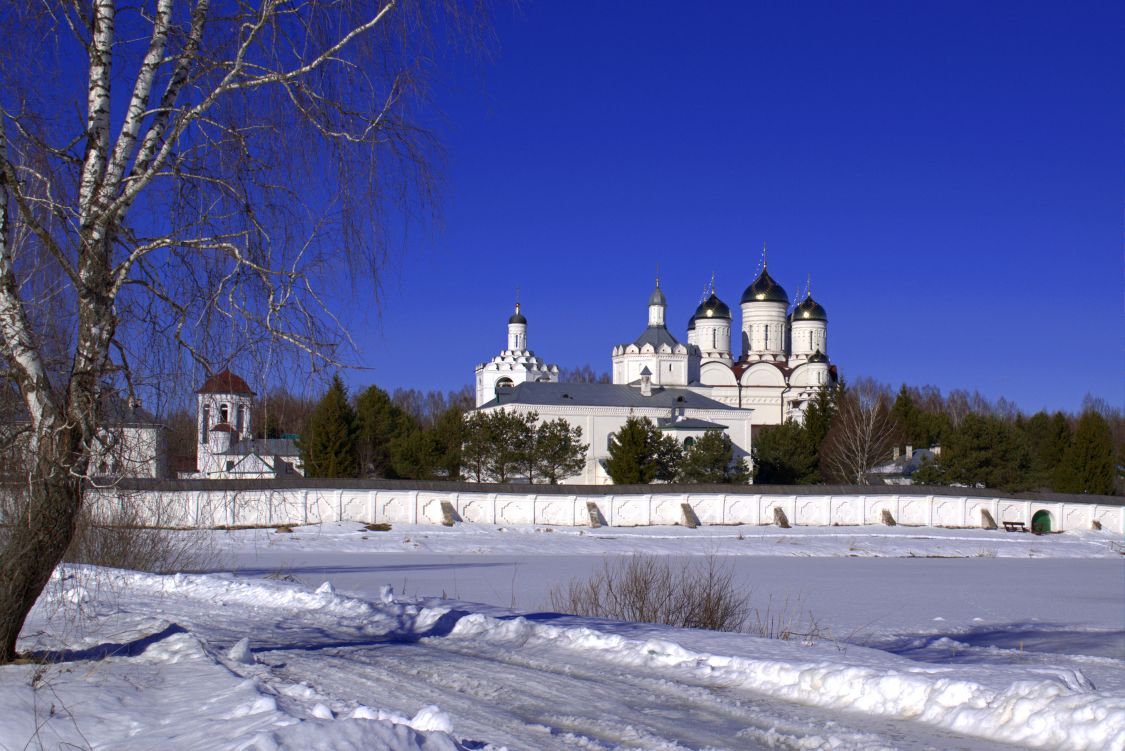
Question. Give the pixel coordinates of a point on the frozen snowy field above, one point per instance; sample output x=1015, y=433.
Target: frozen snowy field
x=929, y=638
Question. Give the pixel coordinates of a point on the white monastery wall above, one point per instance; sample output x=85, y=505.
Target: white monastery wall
x=267, y=507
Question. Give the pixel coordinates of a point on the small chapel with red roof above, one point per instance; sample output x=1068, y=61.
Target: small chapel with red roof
x=226, y=447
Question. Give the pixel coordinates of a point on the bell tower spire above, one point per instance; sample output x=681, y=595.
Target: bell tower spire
x=656, y=305
x=517, y=329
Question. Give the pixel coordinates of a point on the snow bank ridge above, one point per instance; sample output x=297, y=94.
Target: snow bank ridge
x=1061, y=711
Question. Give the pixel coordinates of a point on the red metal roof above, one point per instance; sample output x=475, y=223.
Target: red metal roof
x=225, y=382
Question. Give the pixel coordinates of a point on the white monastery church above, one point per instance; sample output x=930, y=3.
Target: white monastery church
x=686, y=388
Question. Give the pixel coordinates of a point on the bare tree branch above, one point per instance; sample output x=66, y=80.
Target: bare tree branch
x=260, y=146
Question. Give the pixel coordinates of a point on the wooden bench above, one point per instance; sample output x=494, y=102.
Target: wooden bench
x=1014, y=526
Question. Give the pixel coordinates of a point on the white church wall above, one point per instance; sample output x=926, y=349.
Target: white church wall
x=666, y=368
x=599, y=423
x=806, y=337
x=715, y=373
x=764, y=328
x=268, y=507
x=763, y=374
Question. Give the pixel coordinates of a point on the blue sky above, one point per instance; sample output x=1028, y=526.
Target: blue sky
x=949, y=174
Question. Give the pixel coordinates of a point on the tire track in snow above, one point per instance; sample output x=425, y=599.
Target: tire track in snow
x=543, y=698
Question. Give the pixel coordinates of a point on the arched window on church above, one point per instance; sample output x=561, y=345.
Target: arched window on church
x=689, y=442
x=714, y=340
x=766, y=333
x=224, y=413
x=240, y=421
x=206, y=423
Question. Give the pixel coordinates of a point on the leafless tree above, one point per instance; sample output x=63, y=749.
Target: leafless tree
x=426, y=407
x=180, y=179
x=957, y=405
x=583, y=374
x=862, y=433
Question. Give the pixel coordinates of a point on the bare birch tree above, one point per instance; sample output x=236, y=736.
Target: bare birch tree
x=192, y=176
x=862, y=433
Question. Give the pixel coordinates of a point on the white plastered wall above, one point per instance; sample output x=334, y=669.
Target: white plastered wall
x=210, y=508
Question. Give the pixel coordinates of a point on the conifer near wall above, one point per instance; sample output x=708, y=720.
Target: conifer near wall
x=639, y=453
x=1088, y=465
x=328, y=445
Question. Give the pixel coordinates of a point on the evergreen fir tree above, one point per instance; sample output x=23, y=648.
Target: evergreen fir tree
x=639, y=453
x=476, y=445
x=495, y=445
x=669, y=454
x=818, y=416
x=558, y=451
x=784, y=455
x=711, y=460
x=415, y=455
x=1048, y=438
x=1088, y=466
x=988, y=452
x=512, y=438
x=448, y=432
x=905, y=413
x=919, y=427
x=930, y=472
x=379, y=424
x=328, y=444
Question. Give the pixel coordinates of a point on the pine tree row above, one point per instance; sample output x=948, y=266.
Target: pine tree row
x=850, y=434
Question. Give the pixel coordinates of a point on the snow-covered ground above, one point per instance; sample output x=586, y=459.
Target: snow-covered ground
x=926, y=638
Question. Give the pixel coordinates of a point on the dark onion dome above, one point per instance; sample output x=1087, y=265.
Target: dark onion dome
x=225, y=382
x=818, y=356
x=691, y=324
x=657, y=297
x=712, y=307
x=765, y=289
x=517, y=317
x=809, y=310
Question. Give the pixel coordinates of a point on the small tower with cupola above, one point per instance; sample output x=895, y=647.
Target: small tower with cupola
x=711, y=326
x=665, y=358
x=224, y=404
x=515, y=365
x=808, y=330
x=517, y=331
